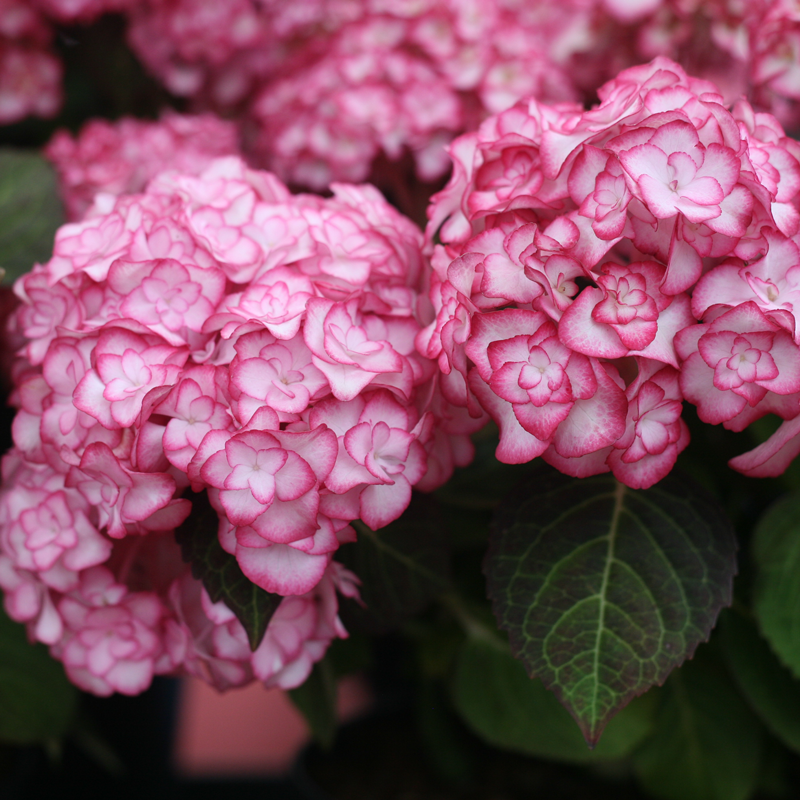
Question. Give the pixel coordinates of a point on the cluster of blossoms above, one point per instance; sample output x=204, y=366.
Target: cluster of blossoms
x=30, y=75
x=746, y=48
x=213, y=334
x=121, y=157
x=599, y=267
x=30, y=70
x=405, y=76
x=323, y=89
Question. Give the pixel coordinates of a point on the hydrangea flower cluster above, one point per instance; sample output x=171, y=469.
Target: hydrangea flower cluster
x=220, y=52
x=405, y=77
x=313, y=87
x=121, y=157
x=599, y=267
x=318, y=85
x=745, y=48
x=30, y=71
x=30, y=74
x=213, y=334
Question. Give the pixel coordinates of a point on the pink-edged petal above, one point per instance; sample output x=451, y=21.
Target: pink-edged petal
x=580, y=467
x=497, y=326
x=771, y=458
x=674, y=319
x=650, y=469
x=786, y=356
x=240, y=506
x=294, y=478
x=383, y=504
x=697, y=386
x=637, y=334
x=684, y=265
x=593, y=423
x=286, y=522
x=578, y=331
x=282, y=569
x=516, y=446
x=541, y=422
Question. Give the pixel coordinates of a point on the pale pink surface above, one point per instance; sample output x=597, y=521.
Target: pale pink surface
x=250, y=731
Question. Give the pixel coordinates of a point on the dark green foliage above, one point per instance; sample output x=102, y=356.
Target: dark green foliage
x=30, y=211
x=402, y=567
x=767, y=686
x=505, y=707
x=776, y=594
x=37, y=701
x=605, y=590
x=707, y=743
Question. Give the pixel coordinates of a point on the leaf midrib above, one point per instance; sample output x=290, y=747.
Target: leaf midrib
x=619, y=494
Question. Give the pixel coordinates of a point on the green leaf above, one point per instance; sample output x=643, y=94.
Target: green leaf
x=769, y=687
x=30, y=211
x=707, y=743
x=316, y=701
x=402, y=567
x=485, y=481
x=37, y=701
x=604, y=590
x=502, y=705
x=219, y=572
x=776, y=590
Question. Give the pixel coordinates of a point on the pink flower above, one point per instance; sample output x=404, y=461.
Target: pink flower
x=124, y=498
x=121, y=157
x=110, y=648
x=739, y=361
x=569, y=240
x=126, y=366
x=655, y=433
x=215, y=333
x=379, y=458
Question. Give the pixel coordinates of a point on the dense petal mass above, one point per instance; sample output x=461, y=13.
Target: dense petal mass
x=595, y=267
x=213, y=333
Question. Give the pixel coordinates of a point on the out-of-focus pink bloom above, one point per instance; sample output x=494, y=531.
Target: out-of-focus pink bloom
x=30, y=82
x=121, y=157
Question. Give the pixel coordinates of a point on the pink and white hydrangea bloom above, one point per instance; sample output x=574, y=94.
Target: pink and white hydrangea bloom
x=121, y=157
x=214, y=333
x=595, y=264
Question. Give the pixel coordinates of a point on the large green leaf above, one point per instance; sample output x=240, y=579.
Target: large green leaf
x=36, y=699
x=30, y=211
x=776, y=592
x=707, y=743
x=604, y=590
x=769, y=687
x=402, y=567
x=315, y=698
x=219, y=572
x=501, y=704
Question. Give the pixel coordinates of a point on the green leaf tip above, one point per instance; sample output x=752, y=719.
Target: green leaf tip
x=221, y=574
x=603, y=589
